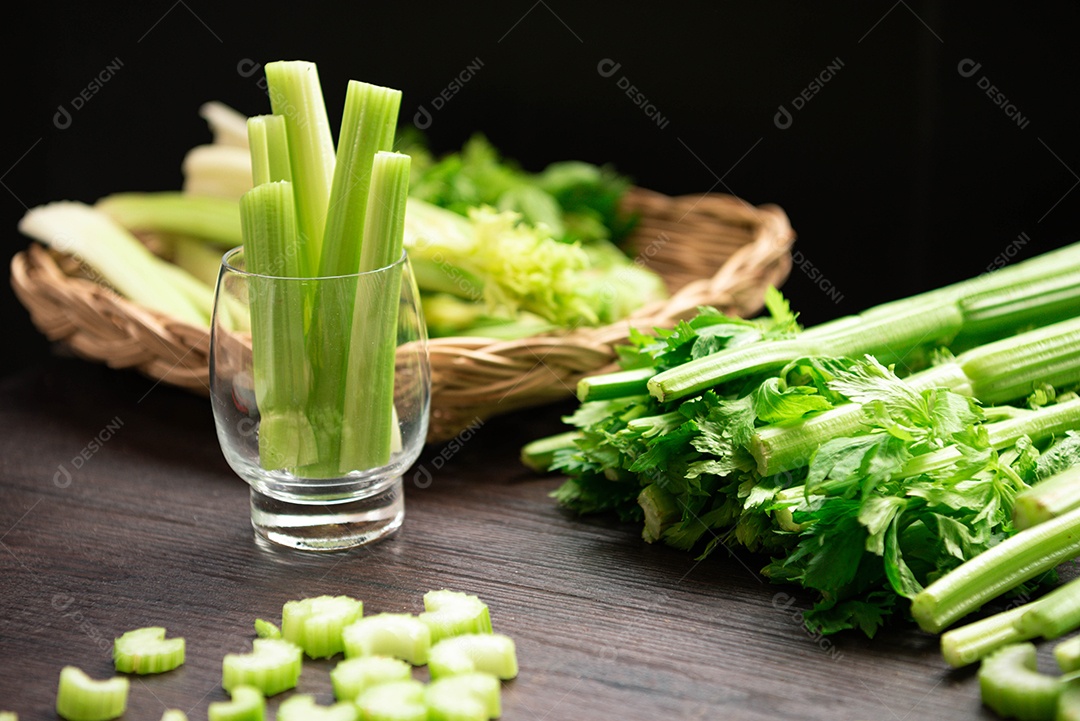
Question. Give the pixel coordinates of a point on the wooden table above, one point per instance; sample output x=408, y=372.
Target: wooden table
x=117, y=511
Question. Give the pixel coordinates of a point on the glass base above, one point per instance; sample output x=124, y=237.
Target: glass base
x=329, y=526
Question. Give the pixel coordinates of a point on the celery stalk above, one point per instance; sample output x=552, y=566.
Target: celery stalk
x=269, y=149
x=367, y=127
x=226, y=124
x=540, y=454
x=1016, y=559
x=295, y=94
x=970, y=643
x=97, y=241
x=220, y=171
x=279, y=358
x=614, y=385
x=198, y=216
x=367, y=424
x=1047, y=499
x=1053, y=615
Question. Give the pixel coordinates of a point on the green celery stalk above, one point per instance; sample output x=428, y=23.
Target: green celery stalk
x=296, y=95
x=367, y=127
x=269, y=148
x=1047, y=499
x=221, y=171
x=1053, y=615
x=539, y=454
x=368, y=427
x=173, y=212
x=970, y=643
x=279, y=358
x=1017, y=559
x=619, y=384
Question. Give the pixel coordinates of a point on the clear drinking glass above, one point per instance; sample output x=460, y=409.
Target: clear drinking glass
x=321, y=393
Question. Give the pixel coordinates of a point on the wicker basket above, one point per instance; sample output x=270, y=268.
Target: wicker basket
x=711, y=249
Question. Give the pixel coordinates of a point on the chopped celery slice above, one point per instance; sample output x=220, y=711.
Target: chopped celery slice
x=146, y=650
x=1067, y=655
x=302, y=707
x=296, y=95
x=247, y=704
x=12, y=716
x=95, y=240
x=452, y=613
x=353, y=676
x=465, y=696
x=273, y=666
x=172, y=714
x=81, y=698
x=316, y=624
x=265, y=629
x=177, y=213
x=1011, y=685
x=492, y=653
x=1068, y=707
x=394, y=701
x=399, y=635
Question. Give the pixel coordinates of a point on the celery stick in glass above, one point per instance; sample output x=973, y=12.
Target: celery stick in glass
x=296, y=95
x=368, y=428
x=279, y=356
x=269, y=149
x=146, y=650
x=81, y=698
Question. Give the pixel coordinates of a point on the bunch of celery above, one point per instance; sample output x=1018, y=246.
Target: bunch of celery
x=863, y=486
x=323, y=353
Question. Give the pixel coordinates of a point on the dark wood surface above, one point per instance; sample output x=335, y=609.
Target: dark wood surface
x=152, y=529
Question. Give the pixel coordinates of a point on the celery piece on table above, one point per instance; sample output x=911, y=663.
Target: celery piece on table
x=394, y=701
x=1011, y=685
x=81, y=698
x=492, y=653
x=197, y=216
x=398, y=635
x=368, y=428
x=465, y=696
x=146, y=650
x=279, y=357
x=302, y=707
x=296, y=95
x=247, y=704
x=109, y=250
x=172, y=714
x=453, y=613
x=316, y=624
x=353, y=676
x=1067, y=654
x=273, y=666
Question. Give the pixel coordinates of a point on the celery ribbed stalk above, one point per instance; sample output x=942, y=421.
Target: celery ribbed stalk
x=279, y=356
x=1047, y=499
x=367, y=424
x=198, y=216
x=269, y=146
x=367, y=127
x=296, y=95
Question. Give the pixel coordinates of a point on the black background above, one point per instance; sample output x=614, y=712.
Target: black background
x=899, y=174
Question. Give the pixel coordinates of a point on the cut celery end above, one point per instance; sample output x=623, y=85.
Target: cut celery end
x=269, y=149
x=1011, y=685
x=1055, y=614
x=81, y=698
x=1067, y=654
x=399, y=635
x=454, y=697
x=353, y=676
x=273, y=666
x=146, y=650
x=452, y=613
x=316, y=624
x=619, y=384
x=302, y=707
x=394, y=701
x=172, y=714
x=492, y=653
x=968, y=644
x=1047, y=499
x=247, y=704
x=265, y=629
